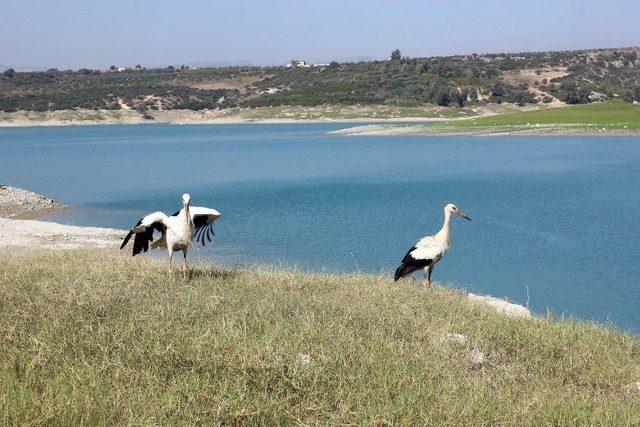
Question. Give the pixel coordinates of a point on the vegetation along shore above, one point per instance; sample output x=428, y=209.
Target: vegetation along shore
x=400, y=89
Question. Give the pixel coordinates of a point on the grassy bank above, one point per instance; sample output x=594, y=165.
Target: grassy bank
x=610, y=115
x=102, y=339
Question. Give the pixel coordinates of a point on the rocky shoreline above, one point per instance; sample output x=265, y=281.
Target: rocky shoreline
x=22, y=204
x=19, y=231
x=189, y=117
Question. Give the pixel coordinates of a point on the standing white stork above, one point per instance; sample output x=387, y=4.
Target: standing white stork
x=429, y=250
x=178, y=230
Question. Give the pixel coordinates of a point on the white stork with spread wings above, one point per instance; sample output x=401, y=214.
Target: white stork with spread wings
x=429, y=250
x=178, y=230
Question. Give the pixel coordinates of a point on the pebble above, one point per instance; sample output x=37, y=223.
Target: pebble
x=451, y=337
x=477, y=358
x=303, y=359
x=501, y=306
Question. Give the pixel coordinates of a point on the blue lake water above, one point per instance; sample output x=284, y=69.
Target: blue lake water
x=555, y=219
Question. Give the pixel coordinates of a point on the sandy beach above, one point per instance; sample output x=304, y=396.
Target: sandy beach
x=20, y=232
x=25, y=235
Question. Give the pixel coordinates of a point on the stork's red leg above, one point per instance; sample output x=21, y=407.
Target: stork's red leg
x=184, y=266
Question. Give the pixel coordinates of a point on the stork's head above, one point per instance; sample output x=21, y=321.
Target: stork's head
x=451, y=208
x=186, y=198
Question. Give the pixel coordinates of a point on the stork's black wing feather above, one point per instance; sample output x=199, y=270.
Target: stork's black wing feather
x=128, y=237
x=142, y=239
x=203, y=232
x=410, y=264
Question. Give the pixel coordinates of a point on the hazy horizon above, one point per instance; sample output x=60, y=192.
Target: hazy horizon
x=76, y=34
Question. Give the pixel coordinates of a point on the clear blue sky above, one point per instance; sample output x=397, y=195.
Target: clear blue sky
x=87, y=33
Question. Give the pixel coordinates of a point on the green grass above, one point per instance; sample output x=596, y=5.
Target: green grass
x=105, y=339
x=609, y=115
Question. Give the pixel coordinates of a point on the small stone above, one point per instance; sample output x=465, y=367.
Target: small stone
x=477, y=358
x=635, y=387
x=303, y=359
x=501, y=306
x=451, y=337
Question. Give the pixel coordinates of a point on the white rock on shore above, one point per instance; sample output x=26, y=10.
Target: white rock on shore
x=500, y=305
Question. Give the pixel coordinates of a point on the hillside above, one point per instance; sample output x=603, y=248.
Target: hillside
x=571, y=77
x=95, y=338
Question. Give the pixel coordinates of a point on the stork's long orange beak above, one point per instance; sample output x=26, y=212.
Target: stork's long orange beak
x=463, y=215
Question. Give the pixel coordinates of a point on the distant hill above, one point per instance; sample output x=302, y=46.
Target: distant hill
x=572, y=77
x=220, y=64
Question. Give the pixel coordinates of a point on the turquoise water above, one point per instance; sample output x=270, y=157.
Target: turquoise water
x=555, y=219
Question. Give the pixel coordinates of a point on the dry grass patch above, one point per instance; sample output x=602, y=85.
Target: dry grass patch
x=103, y=339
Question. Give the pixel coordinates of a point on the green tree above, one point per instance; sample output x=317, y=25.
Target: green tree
x=440, y=93
x=492, y=72
x=10, y=72
x=395, y=55
x=631, y=56
x=573, y=94
x=498, y=90
x=508, y=64
x=473, y=94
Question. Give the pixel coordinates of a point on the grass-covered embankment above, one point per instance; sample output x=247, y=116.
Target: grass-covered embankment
x=603, y=118
x=610, y=115
x=103, y=339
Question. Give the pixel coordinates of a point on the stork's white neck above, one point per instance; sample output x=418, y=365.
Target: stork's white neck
x=188, y=224
x=185, y=210
x=444, y=235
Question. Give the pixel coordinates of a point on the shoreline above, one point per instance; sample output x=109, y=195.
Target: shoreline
x=260, y=115
x=183, y=117
x=27, y=235
x=16, y=203
x=361, y=126
x=21, y=231
x=21, y=235
x=238, y=121
x=436, y=131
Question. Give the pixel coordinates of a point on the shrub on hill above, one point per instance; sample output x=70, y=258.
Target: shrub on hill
x=447, y=81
